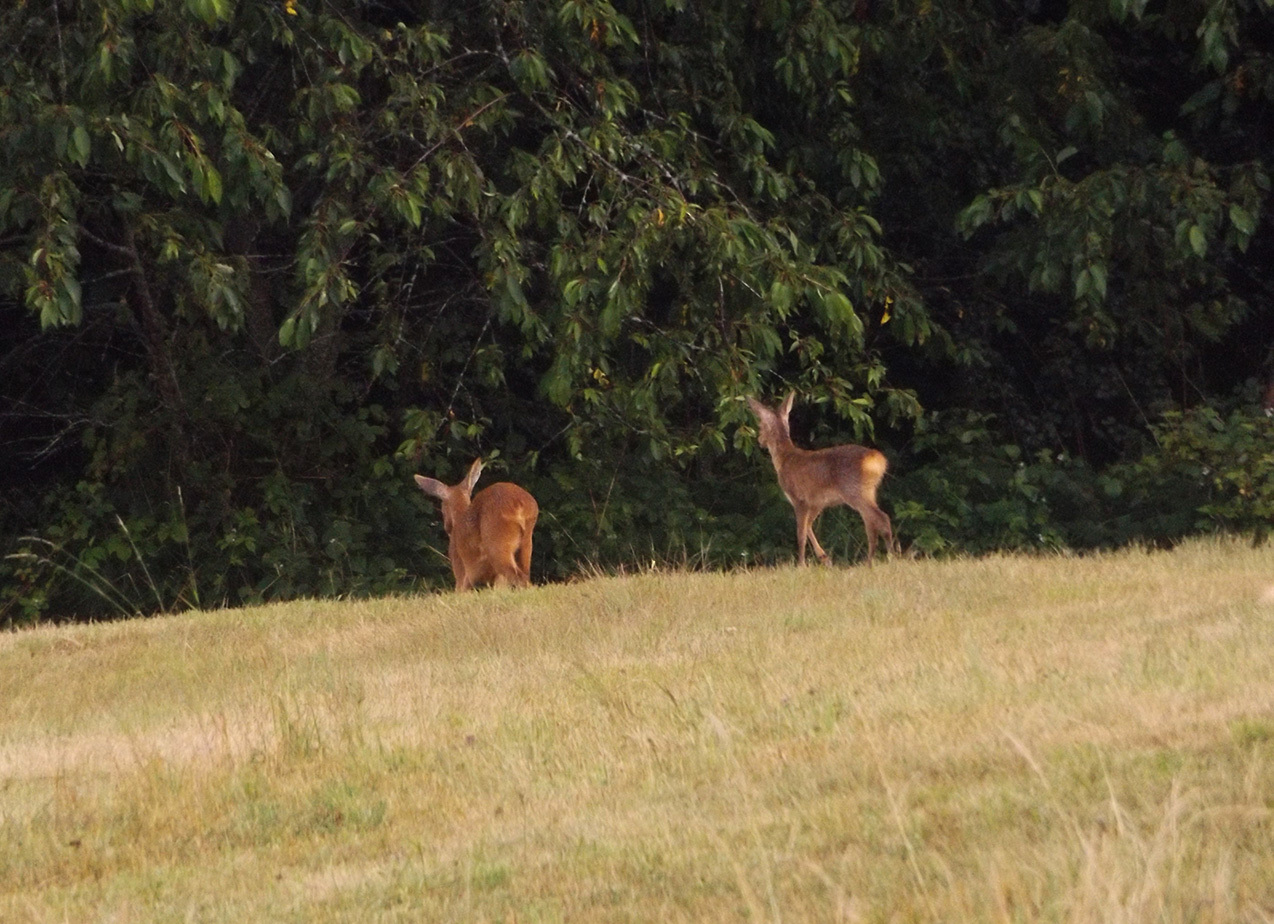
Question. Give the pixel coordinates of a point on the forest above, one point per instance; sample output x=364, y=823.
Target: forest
x=261, y=262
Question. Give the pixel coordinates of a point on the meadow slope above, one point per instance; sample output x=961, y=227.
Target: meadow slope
x=1002, y=739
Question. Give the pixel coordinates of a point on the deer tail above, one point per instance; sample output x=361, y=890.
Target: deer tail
x=873, y=468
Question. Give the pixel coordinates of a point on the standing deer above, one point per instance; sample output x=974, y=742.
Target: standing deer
x=815, y=479
x=490, y=534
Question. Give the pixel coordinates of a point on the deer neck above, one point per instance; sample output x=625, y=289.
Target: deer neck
x=781, y=452
x=457, y=510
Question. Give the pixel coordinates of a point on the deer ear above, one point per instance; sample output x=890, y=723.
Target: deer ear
x=759, y=409
x=786, y=407
x=475, y=470
x=432, y=486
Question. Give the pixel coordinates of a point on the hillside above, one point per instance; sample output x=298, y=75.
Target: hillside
x=1010, y=738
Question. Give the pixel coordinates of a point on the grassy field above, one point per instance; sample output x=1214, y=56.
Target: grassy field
x=1004, y=739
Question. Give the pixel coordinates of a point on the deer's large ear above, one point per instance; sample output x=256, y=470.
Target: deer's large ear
x=759, y=409
x=432, y=486
x=475, y=470
x=786, y=407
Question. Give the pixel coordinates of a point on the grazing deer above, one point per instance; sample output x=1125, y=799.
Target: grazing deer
x=490, y=534
x=815, y=479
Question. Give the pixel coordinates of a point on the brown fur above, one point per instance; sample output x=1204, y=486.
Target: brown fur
x=490, y=534
x=815, y=479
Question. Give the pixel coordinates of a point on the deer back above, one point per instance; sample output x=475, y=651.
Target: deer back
x=499, y=515
x=820, y=478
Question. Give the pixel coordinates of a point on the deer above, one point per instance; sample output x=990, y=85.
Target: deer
x=815, y=479
x=490, y=532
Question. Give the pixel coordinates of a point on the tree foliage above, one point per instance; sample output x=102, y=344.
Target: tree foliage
x=261, y=261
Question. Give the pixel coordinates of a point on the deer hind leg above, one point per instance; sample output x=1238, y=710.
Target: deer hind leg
x=515, y=564
x=504, y=566
x=481, y=571
x=524, y=560
x=876, y=523
x=885, y=529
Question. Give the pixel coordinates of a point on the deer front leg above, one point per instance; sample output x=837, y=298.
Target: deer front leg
x=805, y=534
x=802, y=533
x=818, y=549
x=457, y=566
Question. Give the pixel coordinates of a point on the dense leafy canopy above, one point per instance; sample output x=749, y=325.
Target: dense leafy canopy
x=261, y=261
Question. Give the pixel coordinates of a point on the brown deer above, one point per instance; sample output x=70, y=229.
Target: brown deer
x=490, y=534
x=815, y=479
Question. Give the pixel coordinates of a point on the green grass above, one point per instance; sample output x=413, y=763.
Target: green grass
x=1005, y=739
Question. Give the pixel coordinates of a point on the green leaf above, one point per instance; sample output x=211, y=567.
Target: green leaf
x=530, y=71
x=1083, y=283
x=208, y=10
x=1198, y=241
x=781, y=298
x=70, y=298
x=383, y=360
x=81, y=146
x=1212, y=48
x=1175, y=153
x=1098, y=273
x=976, y=214
x=1242, y=219
x=344, y=97
x=212, y=184
x=174, y=173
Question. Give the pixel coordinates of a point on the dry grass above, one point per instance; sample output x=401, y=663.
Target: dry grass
x=1008, y=739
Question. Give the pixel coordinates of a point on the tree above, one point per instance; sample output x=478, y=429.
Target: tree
x=553, y=229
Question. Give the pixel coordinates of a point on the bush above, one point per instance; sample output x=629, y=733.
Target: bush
x=1220, y=468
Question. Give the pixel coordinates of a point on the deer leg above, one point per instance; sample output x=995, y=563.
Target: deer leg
x=805, y=517
x=885, y=528
x=524, y=560
x=818, y=549
x=457, y=567
x=510, y=574
x=802, y=533
x=887, y=531
x=876, y=523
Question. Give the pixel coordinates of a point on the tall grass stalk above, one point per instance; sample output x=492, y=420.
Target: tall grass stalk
x=84, y=574
x=154, y=589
